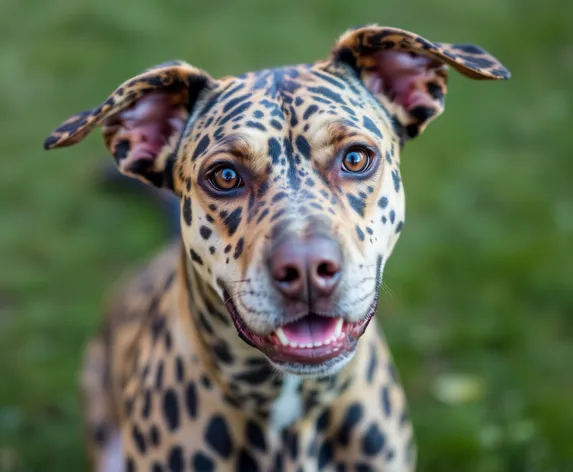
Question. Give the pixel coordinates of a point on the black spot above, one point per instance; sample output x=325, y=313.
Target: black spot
x=468, y=48
x=159, y=376
x=256, y=125
x=122, y=149
x=206, y=382
x=171, y=409
x=235, y=101
x=211, y=249
x=369, y=125
x=233, y=220
x=325, y=455
x=326, y=92
x=383, y=202
x=396, y=180
x=256, y=376
x=357, y=204
x=351, y=419
x=435, y=91
x=372, y=364
x=167, y=340
x=373, y=441
x=340, y=467
x=236, y=112
x=276, y=124
x=399, y=227
x=231, y=91
x=99, y=435
x=274, y=149
x=154, y=436
x=205, y=232
x=385, y=400
x=222, y=353
x=246, y=462
x=239, y=248
x=200, y=148
x=278, y=462
x=476, y=62
x=156, y=467
x=129, y=465
x=191, y=400
x=258, y=114
x=138, y=439
x=279, y=196
x=303, y=146
x=330, y=79
x=412, y=130
x=218, y=437
x=146, y=408
x=175, y=459
x=311, y=110
x=202, y=463
x=292, y=444
x=187, y=212
x=360, y=233
x=195, y=257
x=392, y=216
x=228, y=248
x=323, y=421
x=421, y=114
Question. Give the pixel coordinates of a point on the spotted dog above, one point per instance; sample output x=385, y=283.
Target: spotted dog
x=250, y=345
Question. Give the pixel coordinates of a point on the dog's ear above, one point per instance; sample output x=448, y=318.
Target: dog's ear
x=408, y=73
x=142, y=120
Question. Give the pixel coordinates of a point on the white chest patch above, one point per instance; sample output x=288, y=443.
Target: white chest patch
x=287, y=408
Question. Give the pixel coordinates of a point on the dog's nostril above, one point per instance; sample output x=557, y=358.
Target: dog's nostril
x=288, y=274
x=327, y=270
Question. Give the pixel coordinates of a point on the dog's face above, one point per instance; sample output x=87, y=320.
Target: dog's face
x=291, y=195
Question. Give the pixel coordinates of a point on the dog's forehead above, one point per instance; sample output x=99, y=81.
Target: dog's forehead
x=273, y=113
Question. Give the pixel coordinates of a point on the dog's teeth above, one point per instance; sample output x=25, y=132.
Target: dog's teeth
x=282, y=336
x=327, y=342
x=318, y=344
x=293, y=345
x=338, y=328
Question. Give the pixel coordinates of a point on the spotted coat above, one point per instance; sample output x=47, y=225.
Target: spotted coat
x=188, y=372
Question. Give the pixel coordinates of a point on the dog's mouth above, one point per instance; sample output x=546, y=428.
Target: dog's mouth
x=311, y=339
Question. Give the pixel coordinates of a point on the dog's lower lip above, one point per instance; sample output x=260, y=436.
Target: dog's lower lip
x=279, y=352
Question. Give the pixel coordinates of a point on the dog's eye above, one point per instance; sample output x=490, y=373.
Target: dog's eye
x=356, y=160
x=225, y=178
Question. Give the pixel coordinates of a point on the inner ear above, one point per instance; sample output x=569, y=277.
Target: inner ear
x=137, y=134
x=413, y=82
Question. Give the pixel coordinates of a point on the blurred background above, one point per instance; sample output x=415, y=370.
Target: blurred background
x=480, y=311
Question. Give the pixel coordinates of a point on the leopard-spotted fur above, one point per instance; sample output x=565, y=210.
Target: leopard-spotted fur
x=180, y=377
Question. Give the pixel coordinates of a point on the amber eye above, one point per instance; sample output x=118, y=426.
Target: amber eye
x=225, y=179
x=356, y=161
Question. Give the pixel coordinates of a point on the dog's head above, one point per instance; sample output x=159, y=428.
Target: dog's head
x=289, y=179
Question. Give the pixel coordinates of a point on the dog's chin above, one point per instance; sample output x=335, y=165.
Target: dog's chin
x=312, y=346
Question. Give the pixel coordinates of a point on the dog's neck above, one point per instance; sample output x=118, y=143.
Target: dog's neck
x=242, y=372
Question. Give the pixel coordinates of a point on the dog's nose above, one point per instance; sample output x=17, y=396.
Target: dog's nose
x=305, y=270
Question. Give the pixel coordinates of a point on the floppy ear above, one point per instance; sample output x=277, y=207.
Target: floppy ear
x=142, y=120
x=407, y=73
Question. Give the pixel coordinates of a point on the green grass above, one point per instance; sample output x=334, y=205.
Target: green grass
x=481, y=314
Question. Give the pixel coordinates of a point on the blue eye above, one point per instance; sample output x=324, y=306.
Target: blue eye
x=356, y=161
x=225, y=178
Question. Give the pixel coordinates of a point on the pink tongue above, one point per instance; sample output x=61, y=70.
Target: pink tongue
x=311, y=329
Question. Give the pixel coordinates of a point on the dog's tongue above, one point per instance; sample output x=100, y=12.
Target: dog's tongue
x=310, y=329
